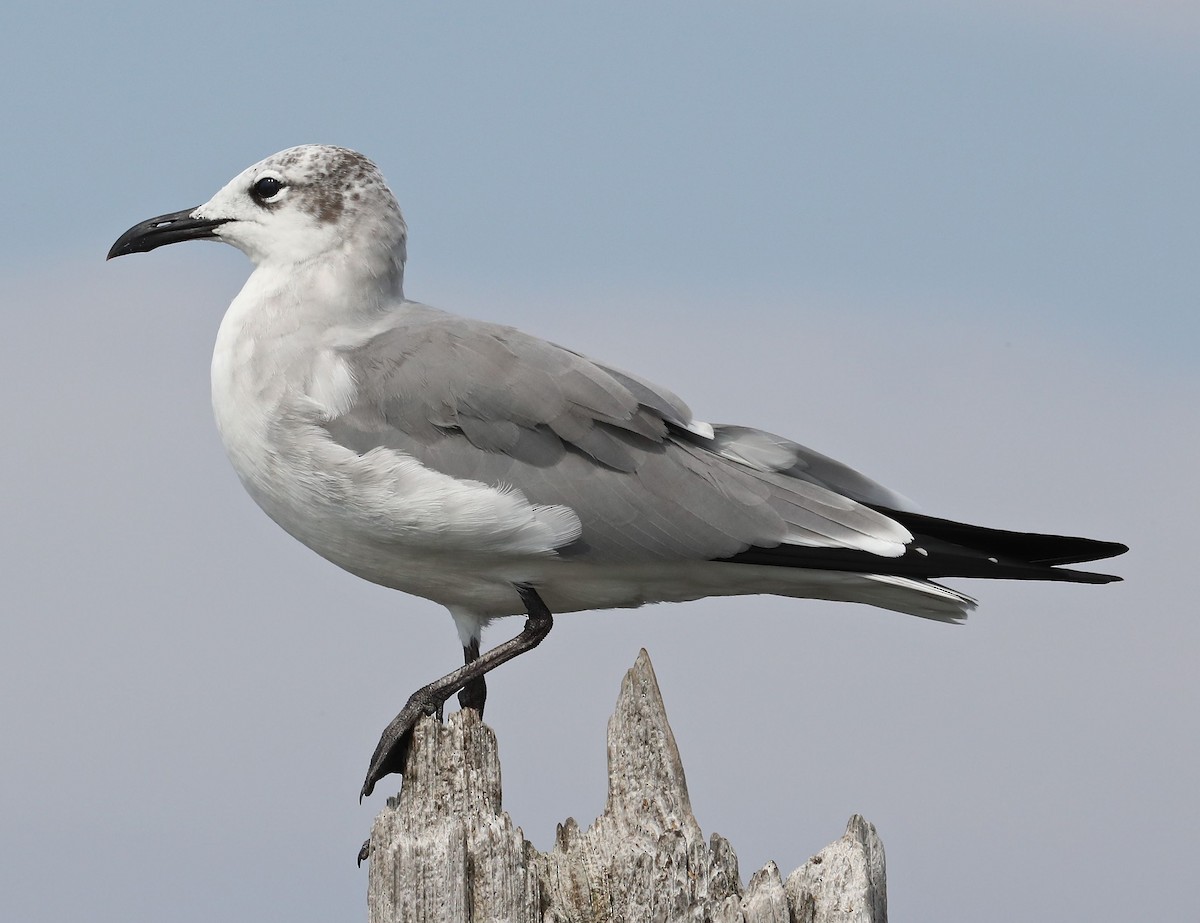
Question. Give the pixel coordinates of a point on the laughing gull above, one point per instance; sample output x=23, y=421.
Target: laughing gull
x=499, y=474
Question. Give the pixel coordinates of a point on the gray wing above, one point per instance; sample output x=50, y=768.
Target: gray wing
x=768, y=452
x=488, y=403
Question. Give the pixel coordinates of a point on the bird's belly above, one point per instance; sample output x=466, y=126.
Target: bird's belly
x=382, y=515
x=424, y=542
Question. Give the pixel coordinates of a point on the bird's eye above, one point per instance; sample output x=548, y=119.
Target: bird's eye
x=266, y=188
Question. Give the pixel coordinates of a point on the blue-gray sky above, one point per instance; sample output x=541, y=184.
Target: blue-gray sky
x=954, y=244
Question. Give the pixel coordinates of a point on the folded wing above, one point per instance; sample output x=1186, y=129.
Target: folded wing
x=488, y=403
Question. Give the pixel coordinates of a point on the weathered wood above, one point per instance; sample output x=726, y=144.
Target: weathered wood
x=444, y=851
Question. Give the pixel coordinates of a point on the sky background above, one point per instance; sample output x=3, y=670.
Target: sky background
x=953, y=244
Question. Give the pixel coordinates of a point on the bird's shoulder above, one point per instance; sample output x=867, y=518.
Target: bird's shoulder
x=425, y=371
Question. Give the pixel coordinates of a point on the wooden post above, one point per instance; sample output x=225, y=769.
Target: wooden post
x=444, y=851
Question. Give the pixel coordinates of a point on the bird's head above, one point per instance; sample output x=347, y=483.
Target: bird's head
x=306, y=203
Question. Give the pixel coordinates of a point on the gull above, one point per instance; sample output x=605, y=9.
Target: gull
x=499, y=474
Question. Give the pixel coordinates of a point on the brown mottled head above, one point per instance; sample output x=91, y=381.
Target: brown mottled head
x=328, y=177
x=312, y=201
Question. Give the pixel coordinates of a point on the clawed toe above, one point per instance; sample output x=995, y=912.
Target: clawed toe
x=392, y=749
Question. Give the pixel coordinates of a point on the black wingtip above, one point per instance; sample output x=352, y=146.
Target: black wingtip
x=1067, y=575
x=945, y=548
x=1072, y=550
x=1031, y=547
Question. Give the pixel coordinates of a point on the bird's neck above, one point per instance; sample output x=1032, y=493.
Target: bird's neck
x=319, y=294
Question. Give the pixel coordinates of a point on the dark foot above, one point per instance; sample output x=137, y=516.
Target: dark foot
x=428, y=700
x=393, y=744
x=474, y=693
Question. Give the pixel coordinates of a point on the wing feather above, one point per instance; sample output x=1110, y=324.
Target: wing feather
x=488, y=403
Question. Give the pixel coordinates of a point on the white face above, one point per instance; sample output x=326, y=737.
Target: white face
x=308, y=202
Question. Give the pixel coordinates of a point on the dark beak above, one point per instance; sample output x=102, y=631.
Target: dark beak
x=165, y=229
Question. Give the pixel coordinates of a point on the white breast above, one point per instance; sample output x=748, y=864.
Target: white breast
x=381, y=515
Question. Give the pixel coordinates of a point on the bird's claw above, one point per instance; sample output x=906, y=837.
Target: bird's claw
x=392, y=750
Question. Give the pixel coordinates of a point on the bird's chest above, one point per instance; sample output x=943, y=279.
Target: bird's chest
x=270, y=388
x=248, y=399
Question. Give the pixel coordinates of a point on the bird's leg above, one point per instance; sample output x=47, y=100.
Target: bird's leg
x=474, y=693
x=393, y=744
